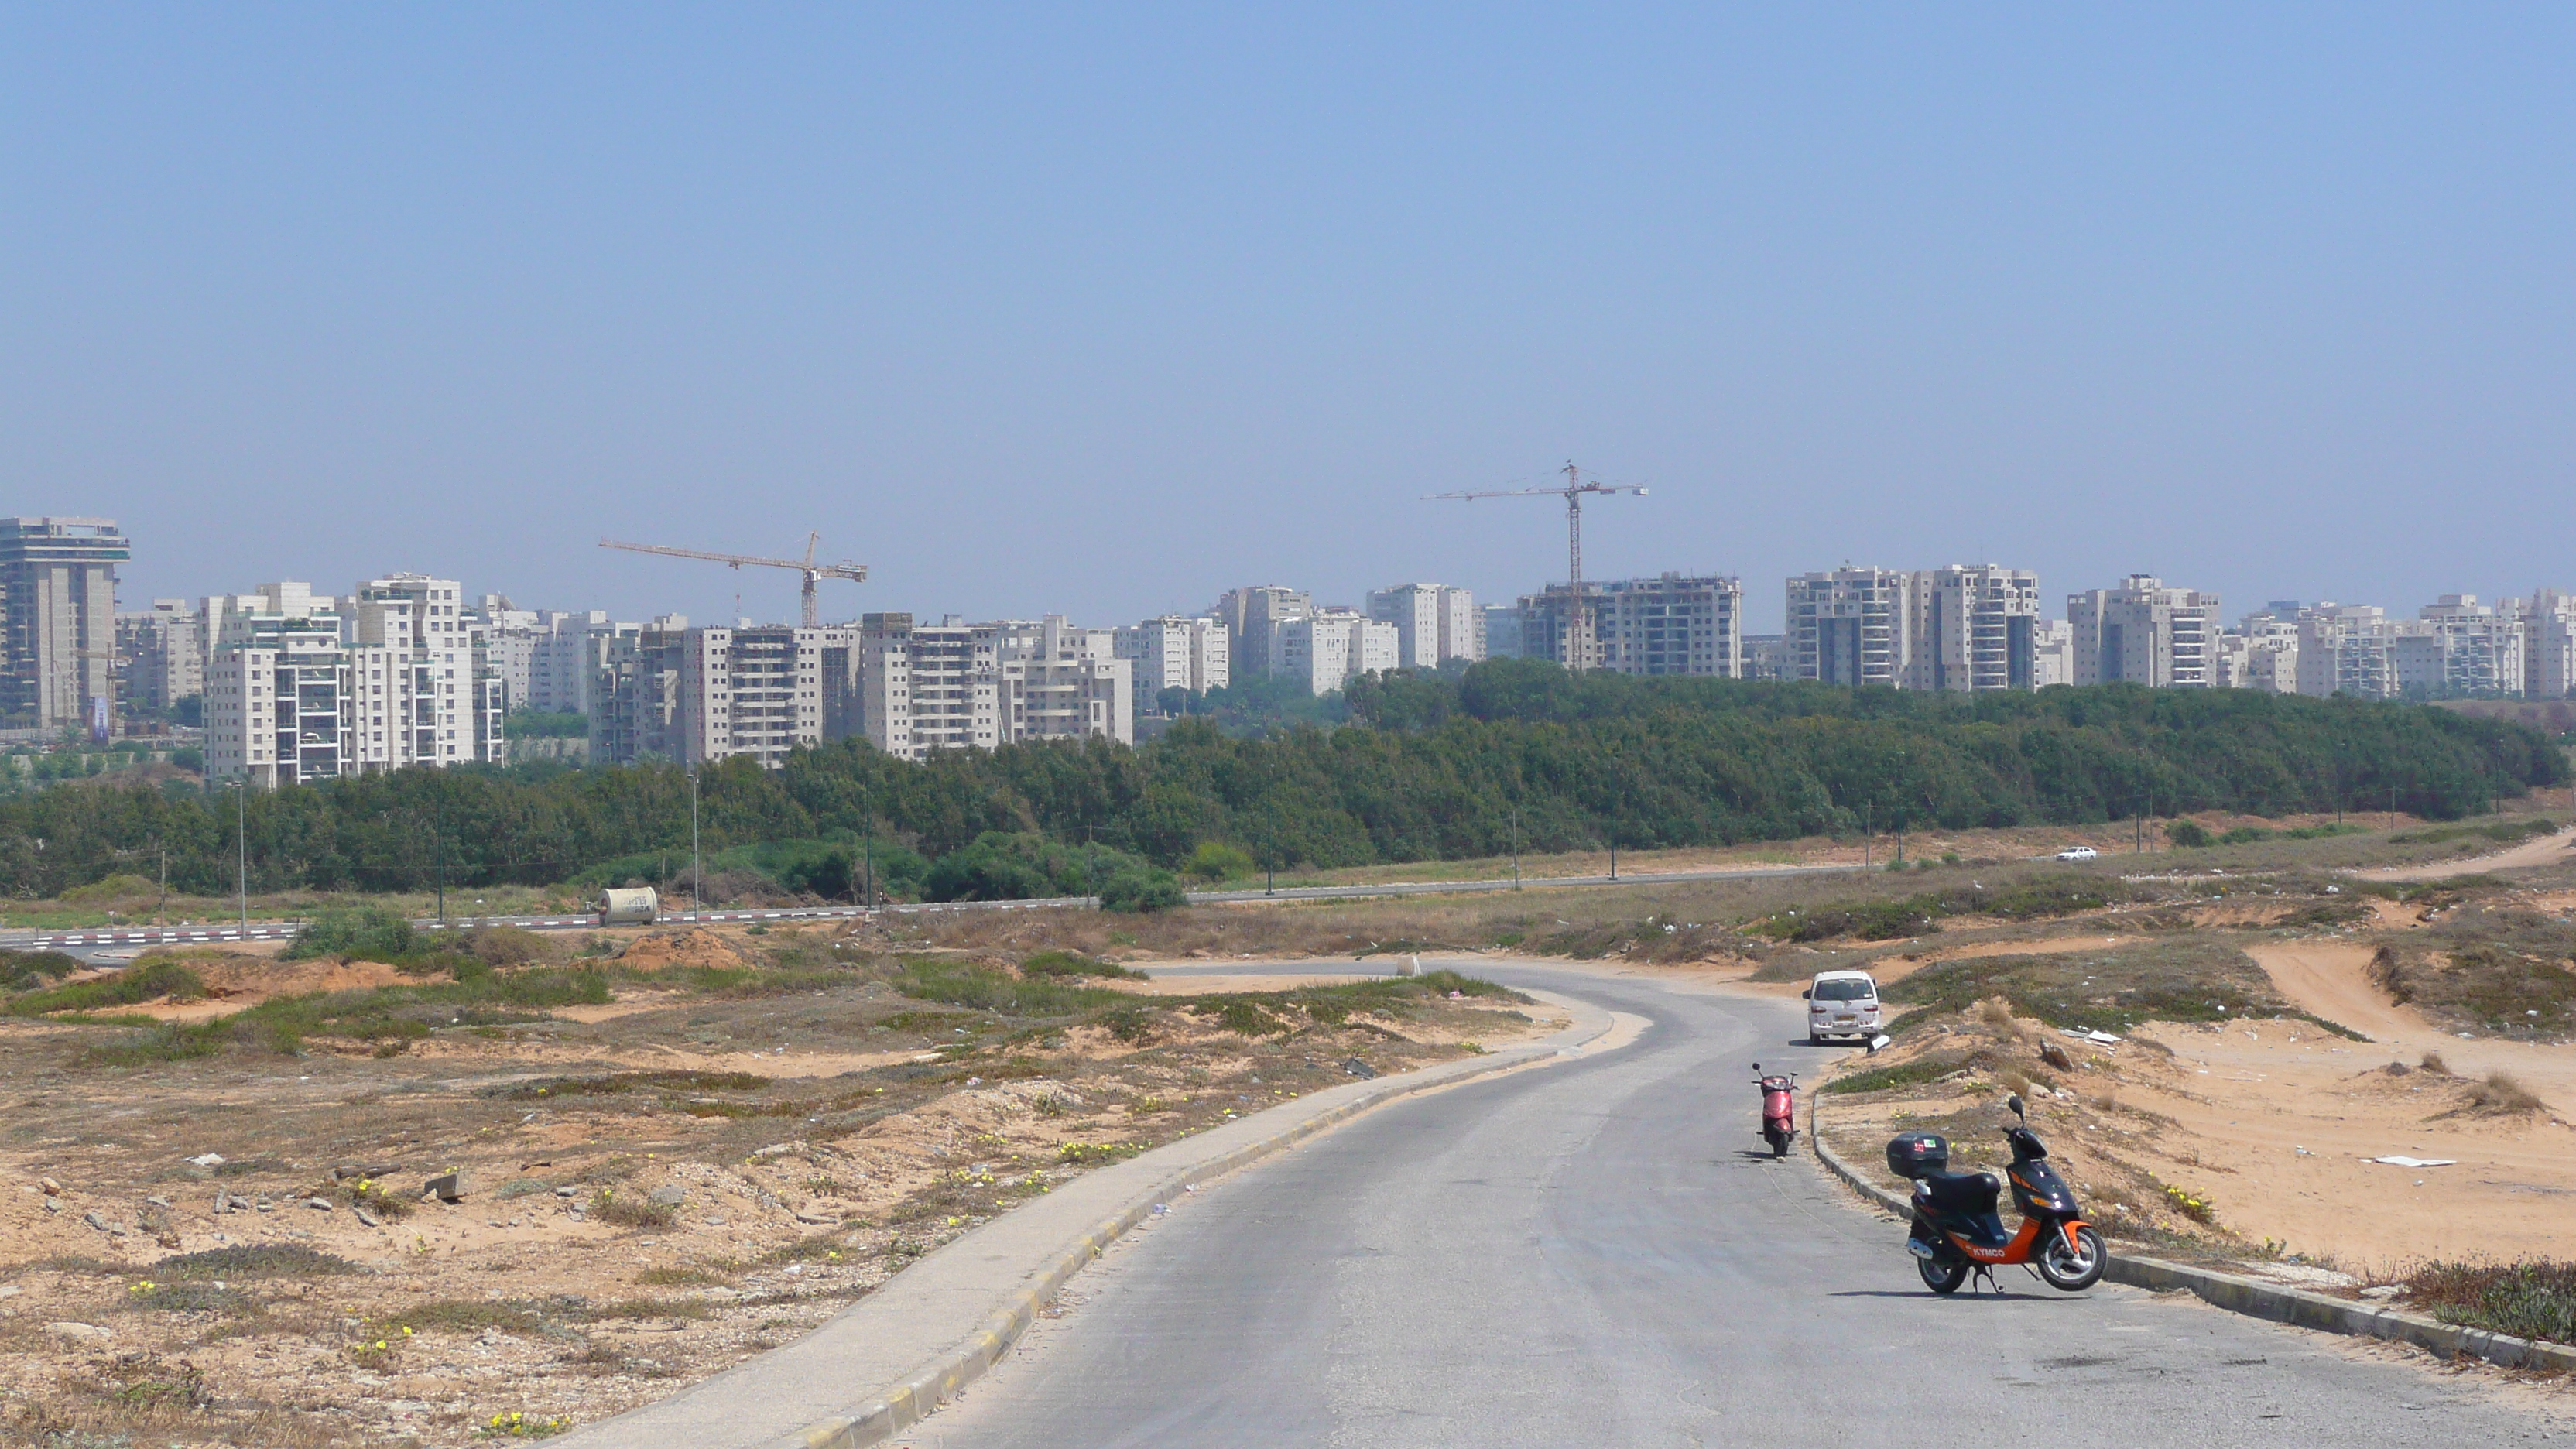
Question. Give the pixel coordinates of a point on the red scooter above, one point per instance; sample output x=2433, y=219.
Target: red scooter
x=1779, y=1117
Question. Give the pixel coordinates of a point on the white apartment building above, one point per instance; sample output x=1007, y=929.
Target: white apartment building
x=2144, y=633
x=2261, y=653
x=763, y=691
x=1670, y=624
x=1252, y=617
x=1500, y=631
x=1432, y=622
x=163, y=653
x=1331, y=647
x=2548, y=644
x=955, y=685
x=2482, y=650
x=1174, y=652
x=567, y=652
x=1061, y=682
x=401, y=665
x=2052, y=653
x=510, y=645
x=1850, y=626
x=458, y=699
x=274, y=703
x=1972, y=627
x=635, y=693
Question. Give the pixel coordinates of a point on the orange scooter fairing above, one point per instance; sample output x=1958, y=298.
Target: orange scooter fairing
x=2022, y=1246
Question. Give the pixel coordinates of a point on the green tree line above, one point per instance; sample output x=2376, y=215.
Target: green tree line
x=1436, y=766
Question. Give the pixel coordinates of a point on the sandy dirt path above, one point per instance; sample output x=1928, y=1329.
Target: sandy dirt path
x=2545, y=850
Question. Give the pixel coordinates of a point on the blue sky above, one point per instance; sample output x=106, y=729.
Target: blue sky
x=1041, y=309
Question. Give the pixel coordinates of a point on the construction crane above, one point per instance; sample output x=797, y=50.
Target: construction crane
x=1578, y=636
x=813, y=572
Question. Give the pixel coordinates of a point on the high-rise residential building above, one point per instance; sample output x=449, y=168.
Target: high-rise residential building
x=1547, y=622
x=1252, y=617
x=765, y=691
x=1960, y=628
x=1669, y=624
x=1972, y=628
x=1850, y=626
x=2052, y=654
x=510, y=645
x=1330, y=647
x=164, y=654
x=1432, y=622
x=567, y=652
x=1766, y=656
x=2143, y=633
x=2549, y=644
x=2260, y=653
x=2481, y=649
x=2348, y=649
x=955, y=685
x=1501, y=631
x=58, y=622
x=303, y=686
x=1174, y=652
x=458, y=698
x=635, y=695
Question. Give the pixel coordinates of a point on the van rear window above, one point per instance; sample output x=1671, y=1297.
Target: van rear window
x=1843, y=991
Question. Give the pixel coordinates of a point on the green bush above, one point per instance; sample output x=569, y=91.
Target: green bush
x=988, y=990
x=25, y=970
x=372, y=932
x=1018, y=866
x=1215, y=860
x=1074, y=963
x=1142, y=888
x=2188, y=834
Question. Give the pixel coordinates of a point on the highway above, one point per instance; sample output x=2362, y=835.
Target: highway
x=111, y=938
x=1598, y=1253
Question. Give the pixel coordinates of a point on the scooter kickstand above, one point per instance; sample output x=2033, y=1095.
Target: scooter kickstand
x=1987, y=1275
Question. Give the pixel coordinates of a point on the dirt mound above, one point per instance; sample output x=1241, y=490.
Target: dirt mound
x=237, y=981
x=696, y=946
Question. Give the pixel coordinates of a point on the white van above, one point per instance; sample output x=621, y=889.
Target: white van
x=1842, y=1003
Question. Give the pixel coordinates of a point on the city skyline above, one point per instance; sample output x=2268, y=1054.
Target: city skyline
x=2281, y=308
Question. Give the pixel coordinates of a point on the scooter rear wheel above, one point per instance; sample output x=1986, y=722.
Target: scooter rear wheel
x=1942, y=1275
x=1779, y=1143
x=2071, y=1271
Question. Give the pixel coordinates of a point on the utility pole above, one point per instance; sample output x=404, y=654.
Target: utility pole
x=241, y=840
x=868, y=845
x=697, y=863
x=1270, y=845
x=1867, y=838
x=1578, y=637
x=1516, y=847
x=1614, y=862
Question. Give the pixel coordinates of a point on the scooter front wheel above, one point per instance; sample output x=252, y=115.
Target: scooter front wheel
x=1779, y=1143
x=1943, y=1274
x=2072, y=1270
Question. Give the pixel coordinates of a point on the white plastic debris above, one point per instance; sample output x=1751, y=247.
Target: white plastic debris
x=206, y=1159
x=2394, y=1160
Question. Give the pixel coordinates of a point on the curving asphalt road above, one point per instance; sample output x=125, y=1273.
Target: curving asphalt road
x=1593, y=1253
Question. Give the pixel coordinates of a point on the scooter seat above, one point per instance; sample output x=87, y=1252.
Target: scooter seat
x=1961, y=1193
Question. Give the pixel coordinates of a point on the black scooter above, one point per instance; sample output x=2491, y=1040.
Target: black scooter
x=1957, y=1232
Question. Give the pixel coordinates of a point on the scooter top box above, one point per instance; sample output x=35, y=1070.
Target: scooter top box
x=1917, y=1154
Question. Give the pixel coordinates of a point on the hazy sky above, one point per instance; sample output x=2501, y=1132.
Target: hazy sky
x=1038, y=310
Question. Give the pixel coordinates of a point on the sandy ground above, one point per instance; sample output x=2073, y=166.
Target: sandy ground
x=2540, y=851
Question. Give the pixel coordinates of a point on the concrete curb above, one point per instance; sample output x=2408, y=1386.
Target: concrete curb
x=1170, y=1168
x=2257, y=1299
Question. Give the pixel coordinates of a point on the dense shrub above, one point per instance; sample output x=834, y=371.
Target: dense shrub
x=373, y=932
x=1142, y=888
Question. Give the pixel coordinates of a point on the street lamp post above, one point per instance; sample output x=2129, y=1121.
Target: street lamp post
x=697, y=863
x=241, y=841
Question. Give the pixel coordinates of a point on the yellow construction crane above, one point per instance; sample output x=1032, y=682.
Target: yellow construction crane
x=813, y=572
x=1578, y=638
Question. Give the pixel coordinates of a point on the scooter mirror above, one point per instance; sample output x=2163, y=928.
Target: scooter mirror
x=2014, y=1102
x=1757, y=1066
